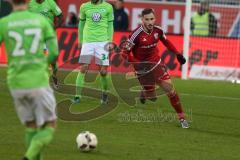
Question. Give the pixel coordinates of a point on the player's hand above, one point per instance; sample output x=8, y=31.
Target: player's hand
x=181, y=59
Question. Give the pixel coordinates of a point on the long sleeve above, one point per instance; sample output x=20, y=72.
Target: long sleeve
x=53, y=50
x=169, y=45
x=126, y=49
x=81, y=24
x=110, y=31
x=110, y=23
x=173, y=49
x=51, y=40
x=80, y=30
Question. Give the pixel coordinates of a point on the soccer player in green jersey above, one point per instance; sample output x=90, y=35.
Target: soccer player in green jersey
x=24, y=34
x=95, y=31
x=50, y=10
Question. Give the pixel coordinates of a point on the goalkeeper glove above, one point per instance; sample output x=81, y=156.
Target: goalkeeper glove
x=181, y=59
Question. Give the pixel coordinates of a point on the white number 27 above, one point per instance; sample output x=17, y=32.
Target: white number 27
x=18, y=50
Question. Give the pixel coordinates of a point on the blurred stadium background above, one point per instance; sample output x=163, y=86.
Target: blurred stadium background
x=214, y=57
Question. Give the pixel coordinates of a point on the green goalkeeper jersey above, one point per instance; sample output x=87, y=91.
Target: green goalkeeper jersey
x=98, y=22
x=48, y=8
x=24, y=34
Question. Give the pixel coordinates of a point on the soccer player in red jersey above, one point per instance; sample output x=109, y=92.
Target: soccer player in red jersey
x=150, y=70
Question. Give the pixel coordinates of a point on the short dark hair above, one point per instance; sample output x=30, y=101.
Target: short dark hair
x=147, y=11
x=18, y=2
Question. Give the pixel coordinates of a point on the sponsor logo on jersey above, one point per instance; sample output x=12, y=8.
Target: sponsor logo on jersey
x=150, y=46
x=144, y=39
x=96, y=17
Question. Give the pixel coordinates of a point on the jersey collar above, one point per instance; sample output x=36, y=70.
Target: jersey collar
x=145, y=31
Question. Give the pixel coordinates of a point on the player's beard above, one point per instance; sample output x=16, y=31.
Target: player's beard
x=149, y=27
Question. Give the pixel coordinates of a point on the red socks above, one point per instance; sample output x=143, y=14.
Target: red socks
x=176, y=104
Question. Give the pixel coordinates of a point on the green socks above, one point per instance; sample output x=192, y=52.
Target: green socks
x=42, y=138
x=30, y=133
x=104, y=81
x=79, y=83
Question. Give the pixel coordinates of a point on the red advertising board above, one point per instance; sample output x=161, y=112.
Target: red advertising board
x=69, y=53
x=203, y=51
x=170, y=16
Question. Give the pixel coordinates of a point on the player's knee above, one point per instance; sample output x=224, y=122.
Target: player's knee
x=84, y=68
x=172, y=93
x=103, y=73
x=84, y=71
x=31, y=124
x=52, y=124
x=169, y=90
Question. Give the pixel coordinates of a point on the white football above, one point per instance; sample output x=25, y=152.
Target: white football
x=86, y=141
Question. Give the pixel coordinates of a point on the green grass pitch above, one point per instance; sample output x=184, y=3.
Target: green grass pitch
x=213, y=108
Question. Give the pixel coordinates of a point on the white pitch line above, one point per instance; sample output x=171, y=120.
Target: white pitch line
x=199, y=95
x=209, y=96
